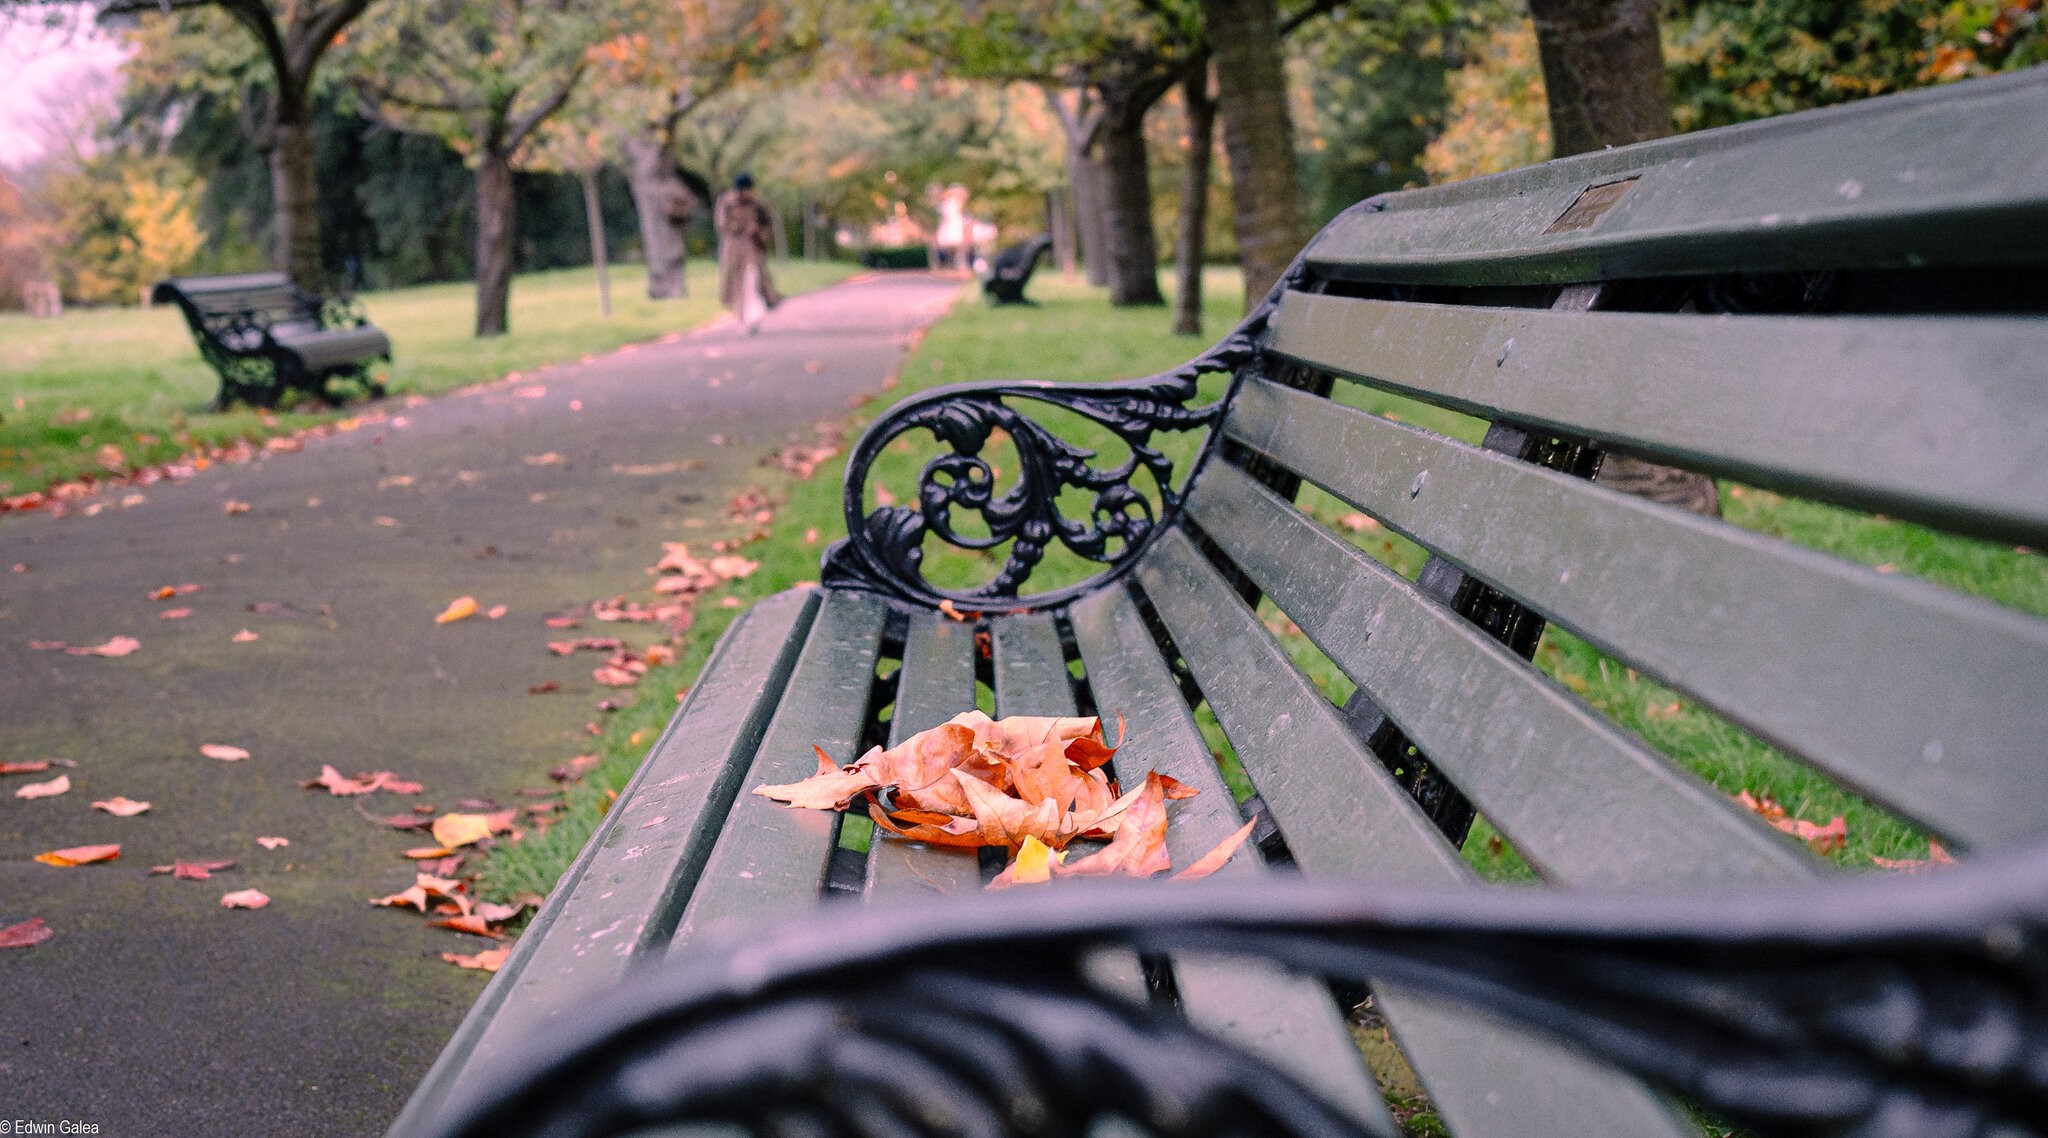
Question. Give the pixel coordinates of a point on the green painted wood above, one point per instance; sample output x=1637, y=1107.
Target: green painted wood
x=1030, y=667
x=615, y=904
x=770, y=860
x=1292, y=1022
x=1584, y=801
x=1931, y=418
x=1926, y=701
x=1340, y=810
x=1947, y=176
x=1343, y=816
x=937, y=683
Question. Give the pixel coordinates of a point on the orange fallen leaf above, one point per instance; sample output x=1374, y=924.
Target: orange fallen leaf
x=495, y=612
x=174, y=614
x=946, y=606
x=335, y=783
x=232, y=506
x=79, y=855
x=50, y=789
x=458, y=609
x=1937, y=855
x=27, y=934
x=467, y=923
x=489, y=960
x=27, y=766
x=455, y=830
x=1216, y=858
x=223, y=752
x=244, y=637
x=118, y=646
x=1138, y=848
x=611, y=675
x=121, y=807
x=244, y=899
x=500, y=913
x=190, y=870
x=422, y=853
x=1822, y=838
x=273, y=843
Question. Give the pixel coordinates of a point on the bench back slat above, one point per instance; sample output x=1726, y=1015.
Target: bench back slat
x=1530, y=755
x=228, y=295
x=771, y=859
x=1924, y=699
x=1940, y=176
x=1931, y=418
x=1343, y=815
x=936, y=683
x=1030, y=667
x=601, y=922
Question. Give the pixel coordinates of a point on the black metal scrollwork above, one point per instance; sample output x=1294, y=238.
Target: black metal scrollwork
x=883, y=551
x=1895, y=1008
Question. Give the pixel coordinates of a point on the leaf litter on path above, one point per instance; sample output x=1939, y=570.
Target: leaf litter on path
x=26, y=934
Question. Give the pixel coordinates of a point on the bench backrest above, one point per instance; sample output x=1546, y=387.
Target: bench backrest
x=257, y=298
x=1847, y=306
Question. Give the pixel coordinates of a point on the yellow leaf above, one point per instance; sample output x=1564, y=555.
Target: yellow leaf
x=453, y=830
x=458, y=609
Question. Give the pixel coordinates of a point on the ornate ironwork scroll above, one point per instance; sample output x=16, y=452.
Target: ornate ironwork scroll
x=883, y=551
x=1907, y=1007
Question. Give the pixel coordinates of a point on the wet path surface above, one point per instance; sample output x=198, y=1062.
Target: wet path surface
x=154, y=1011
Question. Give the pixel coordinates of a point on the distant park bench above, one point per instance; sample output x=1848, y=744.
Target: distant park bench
x=1844, y=305
x=265, y=336
x=1012, y=270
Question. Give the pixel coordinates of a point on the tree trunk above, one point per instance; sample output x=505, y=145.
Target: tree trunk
x=1189, y=250
x=1603, y=72
x=295, y=203
x=1059, y=225
x=1133, y=247
x=496, y=224
x=593, y=217
x=664, y=206
x=1258, y=139
x=1085, y=174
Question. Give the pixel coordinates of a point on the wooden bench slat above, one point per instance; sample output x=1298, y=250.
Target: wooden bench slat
x=1924, y=418
x=771, y=859
x=937, y=683
x=1343, y=815
x=613, y=903
x=1532, y=757
x=1921, y=698
x=1292, y=1021
x=1030, y=667
x=1945, y=176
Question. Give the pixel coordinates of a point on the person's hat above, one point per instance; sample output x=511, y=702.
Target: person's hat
x=743, y=182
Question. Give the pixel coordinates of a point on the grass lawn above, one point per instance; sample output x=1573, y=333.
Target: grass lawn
x=131, y=378
x=1076, y=336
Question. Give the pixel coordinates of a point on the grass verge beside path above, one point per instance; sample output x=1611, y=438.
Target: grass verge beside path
x=132, y=379
x=1075, y=336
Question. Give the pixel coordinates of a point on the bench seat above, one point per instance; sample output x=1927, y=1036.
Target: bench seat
x=1733, y=308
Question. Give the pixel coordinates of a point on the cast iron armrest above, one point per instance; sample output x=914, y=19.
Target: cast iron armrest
x=1901, y=1007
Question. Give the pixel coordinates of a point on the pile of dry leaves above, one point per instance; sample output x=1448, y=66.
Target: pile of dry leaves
x=1030, y=784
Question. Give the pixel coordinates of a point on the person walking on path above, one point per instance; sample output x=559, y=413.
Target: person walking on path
x=744, y=230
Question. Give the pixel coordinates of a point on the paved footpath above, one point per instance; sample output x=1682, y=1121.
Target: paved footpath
x=156, y=1012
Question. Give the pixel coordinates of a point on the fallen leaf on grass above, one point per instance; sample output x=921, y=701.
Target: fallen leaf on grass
x=495, y=612
x=174, y=614
x=1821, y=838
x=544, y=687
x=180, y=869
x=118, y=646
x=548, y=459
x=489, y=960
x=269, y=843
x=79, y=855
x=244, y=899
x=1936, y=856
x=424, y=887
x=46, y=645
x=612, y=675
x=121, y=807
x=574, y=769
x=458, y=609
x=26, y=766
x=27, y=934
x=470, y=923
x=169, y=591
x=423, y=853
x=233, y=506
x=50, y=789
x=244, y=637
x=223, y=752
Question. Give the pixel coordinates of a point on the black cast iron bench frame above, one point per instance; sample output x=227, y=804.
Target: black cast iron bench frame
x=265, y=336
x=1844, y=305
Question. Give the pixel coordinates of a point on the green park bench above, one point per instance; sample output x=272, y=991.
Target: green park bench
x=265, y=336
x=1845, y=305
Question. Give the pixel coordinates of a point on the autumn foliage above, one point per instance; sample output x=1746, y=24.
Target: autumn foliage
x=1030, y=784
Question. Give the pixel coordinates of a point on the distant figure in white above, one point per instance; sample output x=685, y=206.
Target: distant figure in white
x=955, y=239
x=744, y=232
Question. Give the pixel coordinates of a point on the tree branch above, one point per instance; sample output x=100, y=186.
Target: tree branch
x=518, y=129
x=1289, y=24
